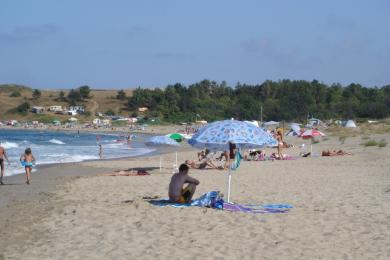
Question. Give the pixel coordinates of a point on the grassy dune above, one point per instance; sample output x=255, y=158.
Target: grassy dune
x=100, y=101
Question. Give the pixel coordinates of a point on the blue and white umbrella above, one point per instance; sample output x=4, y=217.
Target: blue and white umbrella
x=161, y=140
x=218, y=135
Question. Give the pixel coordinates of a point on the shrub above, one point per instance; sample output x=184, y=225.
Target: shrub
x=110, y=112
x=382, y=143
x=15, y=93
x=36, y=94
x=119, y=123
x=342, y=139
x=370, y=143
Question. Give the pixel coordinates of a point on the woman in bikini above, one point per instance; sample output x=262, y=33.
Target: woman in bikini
x=279, y=138
x=27, y=160
x=201, y=165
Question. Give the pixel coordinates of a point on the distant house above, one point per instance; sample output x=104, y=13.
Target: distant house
x=133, y=120
x=142, y=109
x=106, y=122
x=97, y=121
x=78, y=109
x=55, y=109
x=72, y=112
x=37, y=110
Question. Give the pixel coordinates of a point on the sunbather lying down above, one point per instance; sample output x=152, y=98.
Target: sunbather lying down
x=334, y=153
x=201, y=165
x=127, y=173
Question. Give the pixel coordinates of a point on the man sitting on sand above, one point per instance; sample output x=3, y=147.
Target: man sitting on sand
x=177, y=192
x=201, y=165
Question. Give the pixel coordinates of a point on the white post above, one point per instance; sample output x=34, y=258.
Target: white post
x=160, y=163
x=229, y=181
x=311, y=148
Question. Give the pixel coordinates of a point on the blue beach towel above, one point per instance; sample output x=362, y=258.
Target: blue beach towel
x=212, y=199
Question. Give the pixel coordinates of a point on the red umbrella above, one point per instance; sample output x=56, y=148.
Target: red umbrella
x=310, y=134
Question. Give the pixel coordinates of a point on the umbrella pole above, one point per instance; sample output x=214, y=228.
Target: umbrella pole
x=176, y=162
x=311, y=147
x=160, y=163
x=229, y=182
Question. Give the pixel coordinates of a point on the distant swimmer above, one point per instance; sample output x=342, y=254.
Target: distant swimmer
x=3, y=154
x=27, y=159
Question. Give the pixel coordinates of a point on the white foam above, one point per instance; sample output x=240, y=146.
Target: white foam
x=9, y=145
x=56, y=141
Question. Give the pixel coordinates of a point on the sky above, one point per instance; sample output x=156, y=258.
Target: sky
x=126, y=43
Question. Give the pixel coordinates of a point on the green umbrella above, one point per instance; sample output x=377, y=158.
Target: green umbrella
x=175, y=136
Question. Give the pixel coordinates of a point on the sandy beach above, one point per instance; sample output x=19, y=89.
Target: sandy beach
x=341, y=209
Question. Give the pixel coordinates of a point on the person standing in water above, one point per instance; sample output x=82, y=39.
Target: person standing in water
x=3, y=155
x=100, y=151
x=27, y=160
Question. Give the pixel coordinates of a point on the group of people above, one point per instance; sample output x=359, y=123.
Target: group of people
x=27, y=159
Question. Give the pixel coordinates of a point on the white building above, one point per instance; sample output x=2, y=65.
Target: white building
x=55, y=109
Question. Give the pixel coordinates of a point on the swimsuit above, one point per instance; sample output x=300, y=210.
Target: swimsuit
x=1, y=160
x=26, y=164
x=185, y=194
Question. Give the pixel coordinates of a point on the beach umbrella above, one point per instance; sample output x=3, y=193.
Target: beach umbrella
x=176, y=136
x=219, y=135
x=310, y=134
x=161, y=140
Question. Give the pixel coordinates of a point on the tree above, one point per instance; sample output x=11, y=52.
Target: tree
x=36, y=94
x=74, y=96
x=84, y=91
x=23, y=108
x=61, y=96
x=121, y=95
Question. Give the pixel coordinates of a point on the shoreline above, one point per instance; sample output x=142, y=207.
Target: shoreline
x=151, y=129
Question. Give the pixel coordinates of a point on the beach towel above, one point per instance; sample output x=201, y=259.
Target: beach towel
x=237, y=161
x=208, y=199
x=256, y=209
x=213, y=199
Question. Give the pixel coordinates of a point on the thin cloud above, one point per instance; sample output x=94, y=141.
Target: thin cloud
x=169, y=56
x=272, y=51
x=137, y=31
x=24, y=34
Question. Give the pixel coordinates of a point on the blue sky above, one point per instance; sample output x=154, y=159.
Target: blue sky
x=125, y=43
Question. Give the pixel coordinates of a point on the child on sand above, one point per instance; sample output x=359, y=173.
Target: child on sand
x=27, y=160
x=177, y=192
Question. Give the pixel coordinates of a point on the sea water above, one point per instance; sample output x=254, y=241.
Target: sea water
x=50, y=147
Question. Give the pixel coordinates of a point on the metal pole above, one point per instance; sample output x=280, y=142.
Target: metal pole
x=229, y=180
x=176, y=162
x=160, y=163
x=261, y=114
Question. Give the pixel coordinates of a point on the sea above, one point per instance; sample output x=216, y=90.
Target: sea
x=53, y=147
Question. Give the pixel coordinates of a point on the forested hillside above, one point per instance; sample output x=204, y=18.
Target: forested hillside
x=281, y=100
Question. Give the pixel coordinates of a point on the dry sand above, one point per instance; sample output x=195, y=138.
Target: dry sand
x=341, y=211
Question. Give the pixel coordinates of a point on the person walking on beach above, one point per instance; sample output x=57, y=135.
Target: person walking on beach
x=27, y=160
x=177, y=192
x=100, y=151
x=3, y=155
